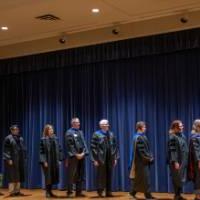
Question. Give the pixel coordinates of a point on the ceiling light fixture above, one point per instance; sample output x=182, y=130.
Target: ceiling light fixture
x=4, y=28
x=95, y=10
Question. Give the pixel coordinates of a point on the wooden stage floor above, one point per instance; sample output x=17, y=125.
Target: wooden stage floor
x=38, y=194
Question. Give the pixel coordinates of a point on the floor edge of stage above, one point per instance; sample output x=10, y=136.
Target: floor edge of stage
x=40, y=194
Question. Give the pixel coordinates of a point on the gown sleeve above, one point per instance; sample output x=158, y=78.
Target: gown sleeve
x=7, y=149
x=86, y=151
x=43, y=157
x=115, y=148
x=196, y=149
x=143, y=151
x=61, y=155
x=69, y=142
x=173, y=149
x=94, y=150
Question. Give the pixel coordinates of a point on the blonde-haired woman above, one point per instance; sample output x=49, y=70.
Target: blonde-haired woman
x=194, y=157
x=50, y=155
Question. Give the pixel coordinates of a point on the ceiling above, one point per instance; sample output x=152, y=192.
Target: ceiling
x=76, y=15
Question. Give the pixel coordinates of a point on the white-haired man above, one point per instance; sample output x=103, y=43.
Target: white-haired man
x=104, y=154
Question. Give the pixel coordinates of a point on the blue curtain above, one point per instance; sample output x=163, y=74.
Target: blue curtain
x=156, y=88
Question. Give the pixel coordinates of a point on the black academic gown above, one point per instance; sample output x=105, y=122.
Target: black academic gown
x=75, y=144
x=194, y=159
x=14, y=149
x=50, y=152
x=178, y=152
x=104, y=150
x=140, y=165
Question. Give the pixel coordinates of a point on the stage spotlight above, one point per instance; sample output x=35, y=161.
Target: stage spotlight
x=116, y=31
x=184, y=20
x=62, y=39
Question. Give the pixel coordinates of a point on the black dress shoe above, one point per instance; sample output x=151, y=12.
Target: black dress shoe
x=109, y=194
x=133, y=195
x=12, y=195
x=70, y=194
x=80, y=194
x=52, y=195
x=179, y=198
x=48, y=195
x=19, y=194
x=149, y=196
x=100, y=194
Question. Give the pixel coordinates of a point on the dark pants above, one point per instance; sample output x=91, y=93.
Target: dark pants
x=48, y=188
x=75, y=174
x=196, y=180
x=177, y=180
x=104, y=177
x=78, y=187
x=177, y=187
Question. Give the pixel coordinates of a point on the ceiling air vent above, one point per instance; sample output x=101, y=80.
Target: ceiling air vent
x=48, y=17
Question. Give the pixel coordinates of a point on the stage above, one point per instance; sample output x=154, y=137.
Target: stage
x=40, y=194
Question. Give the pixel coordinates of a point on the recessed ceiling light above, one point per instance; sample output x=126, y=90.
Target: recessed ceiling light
x=4, y=28
x=95, y=10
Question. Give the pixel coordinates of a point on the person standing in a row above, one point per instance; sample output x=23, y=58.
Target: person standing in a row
x=14, y=156
x=76, y=152
x=194, y=158
x=177, y=157
x=50, y=156
x=104, y=153
x=140, y=160
x=1, y=183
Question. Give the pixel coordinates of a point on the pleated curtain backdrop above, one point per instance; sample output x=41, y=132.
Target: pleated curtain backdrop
x=125, y=87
